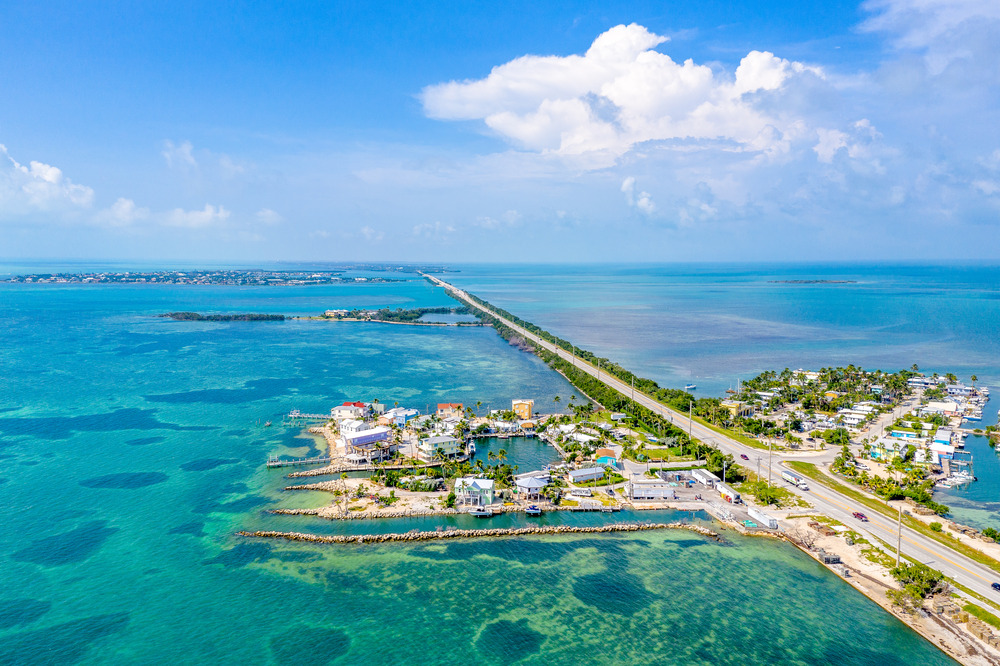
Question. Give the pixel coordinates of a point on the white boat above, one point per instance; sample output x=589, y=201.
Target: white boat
x=472, y=447
x=690, y=387
x=481, y=512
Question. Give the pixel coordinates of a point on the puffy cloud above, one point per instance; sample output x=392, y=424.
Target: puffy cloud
x=179, y=155
x=38, y=187
x=121, y=213
x=510, y=218
x=621, y=92
x=371, y=235
x=196, y=219
x=268, y=216
x=433, y=230
x=943, y=31
x=642, y=201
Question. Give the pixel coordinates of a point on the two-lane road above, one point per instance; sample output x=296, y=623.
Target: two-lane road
x=955, y=565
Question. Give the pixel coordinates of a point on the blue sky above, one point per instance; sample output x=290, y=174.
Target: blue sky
x=440, y=131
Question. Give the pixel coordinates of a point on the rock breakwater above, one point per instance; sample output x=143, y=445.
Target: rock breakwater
x=469, y=534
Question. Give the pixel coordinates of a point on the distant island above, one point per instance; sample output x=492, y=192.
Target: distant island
x=399, y=316
x=195, y=316
x=812, y=281
x=201, y=277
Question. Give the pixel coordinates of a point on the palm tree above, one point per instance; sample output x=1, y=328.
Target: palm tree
x=491, y=456
x=974, y=380
x=502, y=455
x=479, y=404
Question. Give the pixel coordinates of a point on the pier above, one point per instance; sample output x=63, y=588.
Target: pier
x=296, y=414
x=274, y=462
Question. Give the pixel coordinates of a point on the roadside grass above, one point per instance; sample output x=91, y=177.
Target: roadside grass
x=742, y=439
x=813, y=472
x=984, y=615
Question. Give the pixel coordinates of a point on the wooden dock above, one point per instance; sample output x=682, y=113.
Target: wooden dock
x=296, y=414
x=274, y=462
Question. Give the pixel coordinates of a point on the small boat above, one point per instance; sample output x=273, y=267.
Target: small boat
x=267, y=424
x=533, y=510
x=481, y=512
x=472, y=447
x=690, y=387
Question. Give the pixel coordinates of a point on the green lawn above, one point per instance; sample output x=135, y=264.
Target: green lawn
x=742, y=439
x=667, y=455
x=814, y=473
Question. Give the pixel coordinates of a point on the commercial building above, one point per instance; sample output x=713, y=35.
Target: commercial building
x=649, y=490
x=586, y=474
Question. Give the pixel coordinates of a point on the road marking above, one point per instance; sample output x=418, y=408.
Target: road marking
x=907, y=539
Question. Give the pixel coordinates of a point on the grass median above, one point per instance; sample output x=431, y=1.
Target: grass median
x=816, y=474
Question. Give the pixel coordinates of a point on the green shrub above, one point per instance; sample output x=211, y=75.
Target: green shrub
x=937, y=527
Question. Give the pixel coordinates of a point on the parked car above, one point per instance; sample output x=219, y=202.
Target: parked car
x=860, y=516
x=744, y=456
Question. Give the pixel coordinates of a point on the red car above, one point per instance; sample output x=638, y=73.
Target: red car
x=744, y=456
x=860, y=516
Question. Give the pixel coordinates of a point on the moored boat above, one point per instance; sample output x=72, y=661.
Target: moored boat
x=690, y=387
x=533, y=510
x=481, y=512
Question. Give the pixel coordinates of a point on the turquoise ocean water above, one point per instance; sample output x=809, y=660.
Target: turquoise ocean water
x=133, y=448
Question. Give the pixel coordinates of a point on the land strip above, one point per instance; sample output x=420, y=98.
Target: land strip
x=954, y=563
x=468, y=534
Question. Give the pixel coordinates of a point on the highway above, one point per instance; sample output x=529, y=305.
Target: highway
x=953, y=564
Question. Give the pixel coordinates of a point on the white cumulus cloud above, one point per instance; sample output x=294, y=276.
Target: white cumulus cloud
x=38, y=187
x=642, y=201
x=196, y=219
x=619, y=93
x=121, y=213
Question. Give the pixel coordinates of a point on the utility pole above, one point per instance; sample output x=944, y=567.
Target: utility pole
x=690, y=412
x=758, y=467
x=724, y=463
x=769, y=461
x=899, y=532
x=598, y=369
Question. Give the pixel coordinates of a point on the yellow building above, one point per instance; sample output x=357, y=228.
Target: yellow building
x=737, y=408
x=523, y=408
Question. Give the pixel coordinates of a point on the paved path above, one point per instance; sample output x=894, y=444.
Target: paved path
x=924, y=549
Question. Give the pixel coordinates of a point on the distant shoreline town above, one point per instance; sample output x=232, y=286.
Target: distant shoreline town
x=202, y=277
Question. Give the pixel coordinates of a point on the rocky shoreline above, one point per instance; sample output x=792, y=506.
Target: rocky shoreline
x=470, y=534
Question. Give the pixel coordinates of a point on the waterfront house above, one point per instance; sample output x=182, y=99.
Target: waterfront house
x=347, y=411
x=586, y=474
x=544, y=475
x=527, y=426
x=958, y=389
x=400, y=416
x=529, y=487
x=369, y=445
x=946, y=408
x=351, y=426
x=450, y=409
x=474, y=492
x=523, y=408
x=428, y=448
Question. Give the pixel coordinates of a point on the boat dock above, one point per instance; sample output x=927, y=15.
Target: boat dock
x=274, y=462
x=296, y=414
